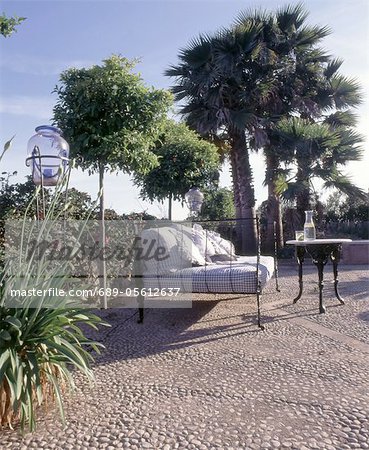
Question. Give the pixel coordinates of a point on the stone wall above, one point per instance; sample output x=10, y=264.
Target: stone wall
x=355, y=252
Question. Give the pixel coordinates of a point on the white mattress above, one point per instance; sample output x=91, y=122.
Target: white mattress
x=231, y=277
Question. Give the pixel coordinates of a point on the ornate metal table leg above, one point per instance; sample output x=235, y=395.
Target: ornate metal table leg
x=319, y=255
x=335, y=258
x=320, y=265
x=276, y=269
x=300, y=252
x=140, y=298
x=140, y=315
x=141, y=308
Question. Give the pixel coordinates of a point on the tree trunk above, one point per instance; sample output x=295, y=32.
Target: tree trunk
x=241, y=167
x=303, y=197
x=237, y=203
x=102, y=234
x=274, y=210
x=170, y=205
x=236, y=192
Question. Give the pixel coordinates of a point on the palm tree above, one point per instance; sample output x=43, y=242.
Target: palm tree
x=319, y=151
x=214, y=104
x=310, y=88
x=329, y=99
x=326, y=95
x=234, y=83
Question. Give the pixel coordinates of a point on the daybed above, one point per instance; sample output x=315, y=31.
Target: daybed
x=200, y=260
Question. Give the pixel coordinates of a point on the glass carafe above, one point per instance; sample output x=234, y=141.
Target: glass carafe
x=309, y=227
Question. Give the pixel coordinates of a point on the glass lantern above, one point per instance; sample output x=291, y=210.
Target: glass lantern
x=48, y=156
x=194, y=198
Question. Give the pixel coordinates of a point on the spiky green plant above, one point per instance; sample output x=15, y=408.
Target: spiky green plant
x=39, y=346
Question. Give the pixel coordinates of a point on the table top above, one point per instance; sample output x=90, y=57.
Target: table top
x=317, y=241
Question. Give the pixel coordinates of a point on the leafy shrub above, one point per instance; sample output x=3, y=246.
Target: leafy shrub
x=39, y=346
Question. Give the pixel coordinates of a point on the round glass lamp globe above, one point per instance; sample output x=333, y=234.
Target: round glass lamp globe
x=194, y=199
x=47, y=155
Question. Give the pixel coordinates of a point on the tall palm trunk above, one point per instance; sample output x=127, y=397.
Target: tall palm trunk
x=236, y=191
x=237, y=203
x=244, y=189
x=274, y=210
x=303, y=197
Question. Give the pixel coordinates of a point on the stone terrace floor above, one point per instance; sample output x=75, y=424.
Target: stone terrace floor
x=207, y=378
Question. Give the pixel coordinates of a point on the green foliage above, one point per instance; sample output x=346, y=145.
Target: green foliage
x=339, y=208
x=319, y=151
x=109, y=116
x=240, y=81
x=19, y=198
x=266, y=68
x=39, y=346
x=185, y=160
x=218, y=204
x=8, y=24
x=247, y=75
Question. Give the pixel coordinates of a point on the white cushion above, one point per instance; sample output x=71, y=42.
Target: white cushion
x=226, y=246
x=203, y=244
x=187, y=248
x=198, y=236
x=162, y=237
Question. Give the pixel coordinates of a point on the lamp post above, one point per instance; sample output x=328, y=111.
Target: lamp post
x=194, y=199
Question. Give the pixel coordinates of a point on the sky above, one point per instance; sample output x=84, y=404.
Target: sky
x=62, y=34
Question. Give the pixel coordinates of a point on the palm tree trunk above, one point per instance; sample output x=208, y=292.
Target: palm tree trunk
x=303, y=197
x=236, y=192
x=241, y=166
x=274, y=210
x=237, y=203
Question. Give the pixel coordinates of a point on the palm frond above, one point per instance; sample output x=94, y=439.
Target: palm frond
x=311, y=35
x=344, y=184
x=200, y=118
x=179, y=71
x=279, y=176
x=349, y=137
x=242, y=119
x=256, y=17
x=289, y=191
x=312, y=57
x=332, y=67
x=246, y=35
x=341, y=118
x=346, y=91
x=198, y=51
x=291, y=17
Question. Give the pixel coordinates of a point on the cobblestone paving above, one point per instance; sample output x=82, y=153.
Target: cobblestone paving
x=207, y=378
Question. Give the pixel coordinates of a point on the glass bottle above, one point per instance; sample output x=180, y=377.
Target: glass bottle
x=309, y=227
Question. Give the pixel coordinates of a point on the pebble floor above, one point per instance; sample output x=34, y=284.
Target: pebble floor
x=207, y=378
